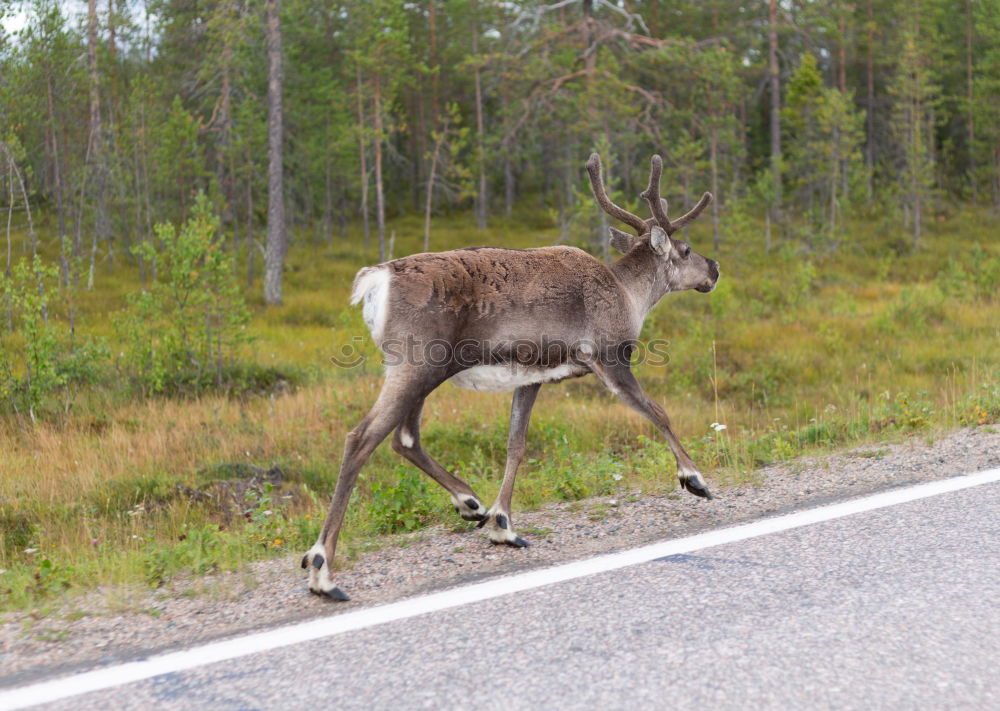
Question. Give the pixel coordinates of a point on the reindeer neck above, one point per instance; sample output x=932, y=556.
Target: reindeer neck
x=638, y=271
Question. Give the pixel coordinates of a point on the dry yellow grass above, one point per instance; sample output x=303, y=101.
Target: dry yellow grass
x=788, y=357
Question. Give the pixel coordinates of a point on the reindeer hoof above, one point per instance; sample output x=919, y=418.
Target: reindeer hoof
x=469, y=508
x=320, y=582
x=335, y=594
x=697, y=486
x=500, y=531
x=515, y=542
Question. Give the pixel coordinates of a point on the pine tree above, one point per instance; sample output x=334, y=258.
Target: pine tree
x=277, y=233
x=915, y=96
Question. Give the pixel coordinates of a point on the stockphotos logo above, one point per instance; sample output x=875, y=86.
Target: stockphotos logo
x=442, y=353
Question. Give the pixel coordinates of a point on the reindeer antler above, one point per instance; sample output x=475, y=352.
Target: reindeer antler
x=658, y=205
x=692, y=214
x=597, y=185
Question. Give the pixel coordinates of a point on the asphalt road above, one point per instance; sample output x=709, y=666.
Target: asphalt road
x=895, y=608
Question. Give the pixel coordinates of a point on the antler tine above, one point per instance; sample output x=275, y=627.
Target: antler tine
x=657, y=205
x=597, y=185
x=692, y=214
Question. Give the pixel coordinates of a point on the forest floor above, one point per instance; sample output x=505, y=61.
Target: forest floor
x=120, y=622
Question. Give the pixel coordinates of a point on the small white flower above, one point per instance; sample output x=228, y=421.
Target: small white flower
x=268, y=512
x=718, y=427
x=29, y=551
x=616, y=477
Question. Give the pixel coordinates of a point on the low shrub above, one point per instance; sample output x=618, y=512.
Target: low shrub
x=184, y=332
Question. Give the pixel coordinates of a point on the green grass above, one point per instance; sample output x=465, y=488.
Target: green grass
x=793, y=353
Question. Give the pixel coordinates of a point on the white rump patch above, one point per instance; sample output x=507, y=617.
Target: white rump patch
x=371, y=285
x=497, y=378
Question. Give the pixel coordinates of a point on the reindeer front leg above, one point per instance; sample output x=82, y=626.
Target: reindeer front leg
x=498, y=522
x=620, y=380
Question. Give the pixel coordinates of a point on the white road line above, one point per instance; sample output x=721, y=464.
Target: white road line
x=49, y=691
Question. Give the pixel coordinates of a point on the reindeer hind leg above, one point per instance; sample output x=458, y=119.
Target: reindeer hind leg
x=406, y=443
x=398, y=395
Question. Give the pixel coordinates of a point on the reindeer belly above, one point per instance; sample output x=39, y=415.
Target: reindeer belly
x=497, y=378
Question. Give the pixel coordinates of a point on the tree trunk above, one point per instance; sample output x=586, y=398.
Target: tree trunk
x=7, y=271
x=435, y=69
x=842, y=53
x=113, y=76
x=147, y=201
x=364, y=165
x=12, y=173
x=57, y=176
x=509, y=184
x=431, y=174
x=870, y=107
x=327, y=220
x=713, y=149
x=277, y=236
x=139, y=236
x=480, y=138
x=835, y=165
x=970, y=120
x=102, y=227
x=842, y=85
x=774, y=78
x=249, y=227
x=379, y=196
x=226, y=128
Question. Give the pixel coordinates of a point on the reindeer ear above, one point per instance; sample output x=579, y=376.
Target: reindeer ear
x=622, y=241
x=659, y=241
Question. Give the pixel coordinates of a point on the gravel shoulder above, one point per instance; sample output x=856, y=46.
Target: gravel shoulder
x=111, y=625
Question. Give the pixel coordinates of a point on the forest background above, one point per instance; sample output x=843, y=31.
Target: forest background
x=187, y=189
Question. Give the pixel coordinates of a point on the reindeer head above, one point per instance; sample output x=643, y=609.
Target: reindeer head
x=678, y=265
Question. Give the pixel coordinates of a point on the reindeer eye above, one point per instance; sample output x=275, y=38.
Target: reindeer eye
x=686, y=252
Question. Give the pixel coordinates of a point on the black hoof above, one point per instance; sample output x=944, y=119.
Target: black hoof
x=483, y=522
x=474, y=517
x=693, y=486
x=518, y=542
x=336, y=594
x=318, y=562
x=472, y=504
x=305, y=561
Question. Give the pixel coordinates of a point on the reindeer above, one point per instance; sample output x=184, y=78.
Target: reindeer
x=512, y=319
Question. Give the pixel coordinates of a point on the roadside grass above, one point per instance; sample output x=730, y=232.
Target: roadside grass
x=793, y=353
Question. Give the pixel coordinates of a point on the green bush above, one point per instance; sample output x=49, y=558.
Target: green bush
x=39, y=356
x=199, y=550
x=402, y=506
x=183, y=333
